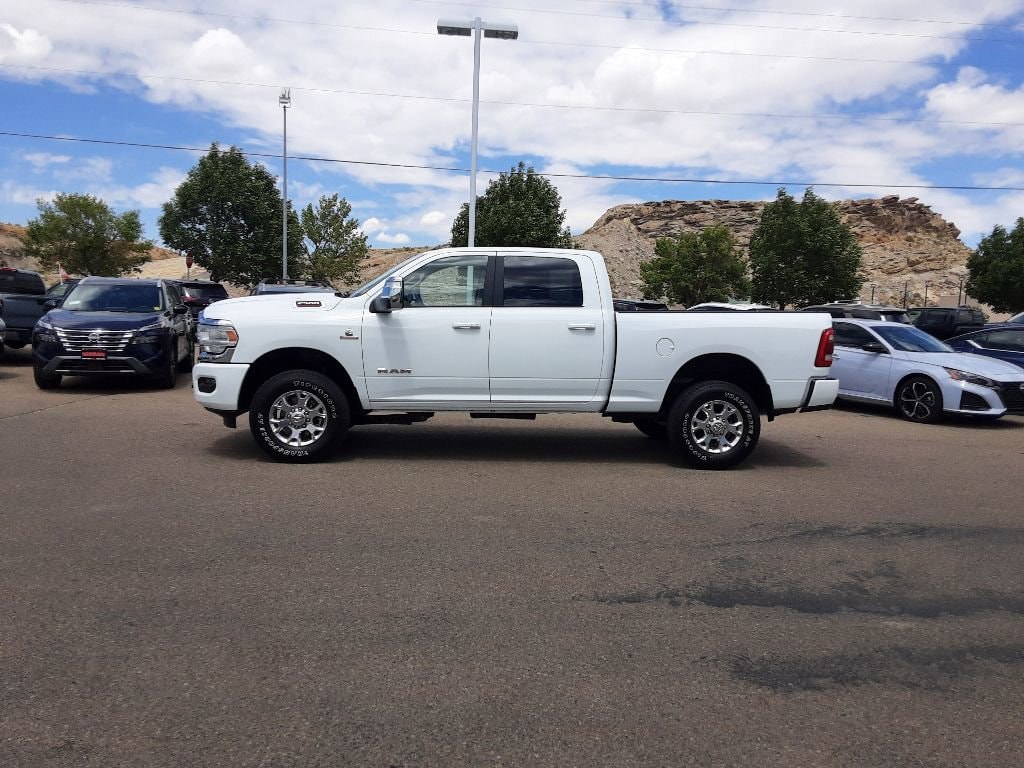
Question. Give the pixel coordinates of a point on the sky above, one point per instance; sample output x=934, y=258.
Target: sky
x=861, y=99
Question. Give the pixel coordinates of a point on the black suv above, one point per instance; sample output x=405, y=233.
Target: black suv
x=197, y=295
x=109, y=325
x=291, y=286
x=841, y=309
x=947, y=322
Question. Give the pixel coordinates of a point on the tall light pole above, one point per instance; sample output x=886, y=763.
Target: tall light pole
x=285, y=100
x=465, y=29
x=926, y=284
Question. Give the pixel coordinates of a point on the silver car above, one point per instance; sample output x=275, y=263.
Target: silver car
x=902, y=366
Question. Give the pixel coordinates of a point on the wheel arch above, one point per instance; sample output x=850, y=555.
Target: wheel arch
x=734, y=369
x=297, y=358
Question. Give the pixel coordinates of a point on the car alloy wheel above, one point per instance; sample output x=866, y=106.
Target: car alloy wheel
x=298, y=416
x=920, y=400
x=714, y=425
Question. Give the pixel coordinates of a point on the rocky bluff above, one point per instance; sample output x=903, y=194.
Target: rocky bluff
x=904, y=241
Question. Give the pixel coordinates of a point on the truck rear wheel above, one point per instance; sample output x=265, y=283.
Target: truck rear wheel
x=298, y=416
x=714, y=425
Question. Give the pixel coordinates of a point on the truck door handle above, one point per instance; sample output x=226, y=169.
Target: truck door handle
x=466, y=326
x=583, y=327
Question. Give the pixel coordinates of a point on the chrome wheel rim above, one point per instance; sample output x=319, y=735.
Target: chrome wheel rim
x=917, y=401
x=298, y=418
x=717, y=426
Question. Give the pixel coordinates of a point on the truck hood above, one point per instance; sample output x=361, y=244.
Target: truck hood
x=282, y=305
x=108, y=321
x=964, y=361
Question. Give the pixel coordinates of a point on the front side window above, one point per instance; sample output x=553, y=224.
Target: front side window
x=1007, y=340
x=454, y=281
x=541, y=281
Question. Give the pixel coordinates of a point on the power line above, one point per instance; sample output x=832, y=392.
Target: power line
x=452, y=169
x=537, y=10
x=537, y=105
x=722, y=9
x=660, y=20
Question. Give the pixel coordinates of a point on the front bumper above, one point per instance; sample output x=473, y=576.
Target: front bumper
x=116, y=363
x=226, y=384
x=974, y=400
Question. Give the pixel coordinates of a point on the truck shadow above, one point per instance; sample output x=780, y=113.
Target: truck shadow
x=506, y=444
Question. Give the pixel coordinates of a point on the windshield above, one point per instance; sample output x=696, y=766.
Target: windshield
x=1017, y=318
x=211, y=292
x=907, y=338
x=113, y=297
x=367, y=287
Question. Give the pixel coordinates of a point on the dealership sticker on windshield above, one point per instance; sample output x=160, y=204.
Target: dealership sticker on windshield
x=307, y=304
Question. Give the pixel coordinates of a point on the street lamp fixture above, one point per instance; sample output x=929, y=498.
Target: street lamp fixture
x=285, y=100
x=465, y=28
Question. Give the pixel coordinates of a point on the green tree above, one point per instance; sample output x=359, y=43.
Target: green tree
x=83, y=235
x=693, y=268
x=338, y=246
x=802, y=253
x=997, y=269
x=519, y=208
x=227, y=213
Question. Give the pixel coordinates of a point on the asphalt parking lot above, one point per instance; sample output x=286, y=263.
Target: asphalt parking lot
x=502, y=593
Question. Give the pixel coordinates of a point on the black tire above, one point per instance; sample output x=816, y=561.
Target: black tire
x=919, y=399
x=43, y=381
x=321, y=416
x=186, y=363
x=15, y=345
x=656, y=430
x=168, y=377
x=714, y=425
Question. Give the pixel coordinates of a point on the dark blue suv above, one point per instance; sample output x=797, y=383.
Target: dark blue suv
x=108, y=325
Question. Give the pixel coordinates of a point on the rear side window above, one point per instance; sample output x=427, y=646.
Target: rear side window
x=1008, y=340
x=850, y=335
x=541, y=281
x=16, y=281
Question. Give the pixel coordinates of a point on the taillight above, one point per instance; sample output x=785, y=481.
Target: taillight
x=826, y=346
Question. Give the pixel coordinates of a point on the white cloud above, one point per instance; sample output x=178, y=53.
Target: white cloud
x=41, y=160
x=22, y=47
x=371, y=225
x=400, y=238
x=433, y=218
x=91, y=170
x=20, y=194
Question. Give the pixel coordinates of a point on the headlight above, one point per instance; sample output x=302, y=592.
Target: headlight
x=970, y=378
x=147, y=335
x=45, y=332
x=216, y=338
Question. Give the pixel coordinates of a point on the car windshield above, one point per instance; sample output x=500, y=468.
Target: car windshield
x=211, y=292
x=113, y=297
x=907, y=338
x=369, y=286
x=1017, y=318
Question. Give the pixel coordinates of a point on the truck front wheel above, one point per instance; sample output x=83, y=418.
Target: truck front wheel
x=298, y=416
x=714, y=425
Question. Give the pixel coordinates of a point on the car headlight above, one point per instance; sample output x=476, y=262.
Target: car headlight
x=45, y=332
x=970, y=378
x=150, y=334
x=216, y=338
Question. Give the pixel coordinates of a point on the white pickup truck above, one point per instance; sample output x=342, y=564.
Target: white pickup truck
x=505, y=333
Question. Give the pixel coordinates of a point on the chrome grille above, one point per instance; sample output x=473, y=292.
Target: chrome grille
x=111, y=341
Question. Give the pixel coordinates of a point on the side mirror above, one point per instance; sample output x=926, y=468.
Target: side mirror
x=180, y=309
x=875, y=346
x=390, y=297
x=50, y=304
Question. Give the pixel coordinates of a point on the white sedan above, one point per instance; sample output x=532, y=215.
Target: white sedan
x=902, y=366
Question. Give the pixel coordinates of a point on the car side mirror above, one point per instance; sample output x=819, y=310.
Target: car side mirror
x=50, y=304
x=390, y=297
x=180, y=309
x=875, y=346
